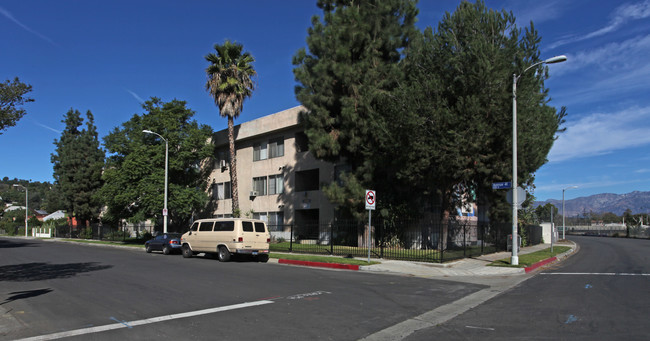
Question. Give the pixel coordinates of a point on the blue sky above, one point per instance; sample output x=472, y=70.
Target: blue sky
x=109, y=56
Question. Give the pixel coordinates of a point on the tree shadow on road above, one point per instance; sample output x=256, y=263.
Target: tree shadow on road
x=44, y=271
x=6, y=244
x=19, y=295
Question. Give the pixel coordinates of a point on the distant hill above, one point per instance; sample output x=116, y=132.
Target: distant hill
x=638, y=202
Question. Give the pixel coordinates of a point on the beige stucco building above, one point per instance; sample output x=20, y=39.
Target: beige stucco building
x=278, y=178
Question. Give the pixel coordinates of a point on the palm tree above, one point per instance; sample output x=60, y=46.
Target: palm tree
x=229, y=83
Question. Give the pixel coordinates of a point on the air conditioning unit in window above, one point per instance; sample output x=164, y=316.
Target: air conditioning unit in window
x=253, y=193
x=223, y=164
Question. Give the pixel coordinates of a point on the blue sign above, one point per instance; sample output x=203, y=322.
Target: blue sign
x=502, y=185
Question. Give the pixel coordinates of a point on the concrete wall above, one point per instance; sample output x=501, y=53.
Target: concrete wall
x=285, y=125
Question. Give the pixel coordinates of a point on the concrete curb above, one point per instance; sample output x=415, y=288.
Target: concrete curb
x=540, y=264
x=319, y=264
x=552, y=259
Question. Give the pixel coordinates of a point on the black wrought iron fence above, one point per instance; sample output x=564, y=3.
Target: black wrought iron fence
x=406, y=240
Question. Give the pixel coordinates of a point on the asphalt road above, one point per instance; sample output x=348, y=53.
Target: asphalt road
x=600, y=293
x=53, y=290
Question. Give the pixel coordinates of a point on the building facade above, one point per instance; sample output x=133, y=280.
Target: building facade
x=279, y=180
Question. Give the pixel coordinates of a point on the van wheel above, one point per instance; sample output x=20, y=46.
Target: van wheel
x=223, y=254
x=187, y=252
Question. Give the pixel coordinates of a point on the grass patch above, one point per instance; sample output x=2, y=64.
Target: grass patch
x=532, y=258
x=322, y=259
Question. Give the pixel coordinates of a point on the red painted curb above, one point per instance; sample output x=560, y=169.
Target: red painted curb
x=319, y=264
x=538, y=264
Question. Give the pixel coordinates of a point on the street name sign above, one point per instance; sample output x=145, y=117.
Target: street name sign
x=501, y=185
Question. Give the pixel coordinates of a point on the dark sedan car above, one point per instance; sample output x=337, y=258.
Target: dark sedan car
x=165, y=242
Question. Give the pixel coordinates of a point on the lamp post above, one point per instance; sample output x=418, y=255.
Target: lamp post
x=564, y=213
x=515, y=242
x=26, y=205
x=166, y=172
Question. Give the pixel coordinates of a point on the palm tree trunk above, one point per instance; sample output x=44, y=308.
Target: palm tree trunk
x=233, y=167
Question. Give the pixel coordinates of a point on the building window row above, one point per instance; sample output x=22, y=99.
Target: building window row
x=268, y=150
x=222, y=190
x=274, y=220
x=273, y=184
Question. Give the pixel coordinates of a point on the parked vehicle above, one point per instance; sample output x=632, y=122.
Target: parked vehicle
x=226, y=237
x=165, y=242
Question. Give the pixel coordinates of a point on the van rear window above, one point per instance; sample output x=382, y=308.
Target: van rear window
x=224, y=226
x=259, y=227
x=247, y=226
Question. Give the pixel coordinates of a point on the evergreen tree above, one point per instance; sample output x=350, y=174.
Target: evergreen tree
x=460, y=85
x=78, y=162
x=351, y=65
x=135, y=171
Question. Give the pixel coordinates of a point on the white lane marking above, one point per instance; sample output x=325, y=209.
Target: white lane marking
x=131, y=324
x=301, y=296
x=481, y=328
x=593, y=273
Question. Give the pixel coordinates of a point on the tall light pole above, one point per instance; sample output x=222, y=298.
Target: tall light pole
x=26, y=205
x=564, y=213
x=515, y=242
x=166, y=172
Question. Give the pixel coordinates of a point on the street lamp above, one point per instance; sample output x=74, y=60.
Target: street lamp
x=166, y=172
x=558, y=59
x=26, y=205
x=563, y=213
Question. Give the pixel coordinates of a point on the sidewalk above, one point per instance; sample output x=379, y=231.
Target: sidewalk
x=468, y=267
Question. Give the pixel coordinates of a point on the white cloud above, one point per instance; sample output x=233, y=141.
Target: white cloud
x=622, y=15
x=9, y=16
x=630, y=54
x=600, y=134
x=615, y=69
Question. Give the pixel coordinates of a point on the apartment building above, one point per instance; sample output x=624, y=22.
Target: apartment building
x=279, y=180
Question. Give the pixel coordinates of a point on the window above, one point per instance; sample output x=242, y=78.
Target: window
x=247, y=226
x=222, y=191
x=259, y=227
x=261, y=216
x=276, y=147
x=276, y=184
x=260, y=151
x=259, y=185
x=276, y=220
x=206, y=226
x=195, y=226
x=224, y=226
x=302, y=142
x=307, y=180
x=264, y=150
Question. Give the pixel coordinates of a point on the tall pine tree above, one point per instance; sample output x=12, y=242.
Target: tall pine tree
x=78, y=161
x=460, y=86
x=351, y=64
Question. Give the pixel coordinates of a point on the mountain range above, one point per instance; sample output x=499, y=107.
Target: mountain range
x=638, y=202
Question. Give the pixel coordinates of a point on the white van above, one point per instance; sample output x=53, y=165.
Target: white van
x=227, y=236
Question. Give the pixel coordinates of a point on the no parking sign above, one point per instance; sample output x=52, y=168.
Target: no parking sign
x=371, y=199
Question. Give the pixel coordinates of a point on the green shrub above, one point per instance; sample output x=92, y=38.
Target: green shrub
x=86, y=233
